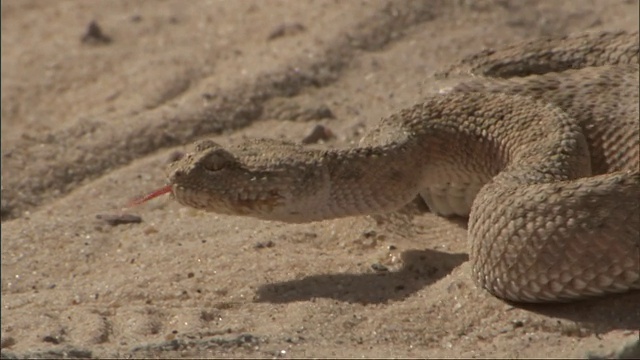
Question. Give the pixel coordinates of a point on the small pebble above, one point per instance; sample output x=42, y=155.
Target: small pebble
x=94, y=35
x=287, y=29
x=7, y=341
x=517, y=323
x=264, y=244
x=319, y=132
x=119, y=219
x=369, y=233
x=51, y=339
x=379, y=267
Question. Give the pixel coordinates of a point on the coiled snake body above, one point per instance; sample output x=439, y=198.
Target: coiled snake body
x=543, y=161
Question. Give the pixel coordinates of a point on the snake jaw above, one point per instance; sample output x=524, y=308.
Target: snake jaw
x=241, y=202
x=230, y=186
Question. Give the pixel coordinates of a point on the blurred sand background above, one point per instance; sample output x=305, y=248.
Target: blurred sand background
x=89, y=124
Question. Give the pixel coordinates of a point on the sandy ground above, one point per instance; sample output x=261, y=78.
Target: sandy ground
x=87, y=125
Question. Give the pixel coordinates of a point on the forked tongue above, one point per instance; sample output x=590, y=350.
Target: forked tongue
x=154, y=194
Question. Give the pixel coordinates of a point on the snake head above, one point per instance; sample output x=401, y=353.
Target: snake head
x=205, y=179
x=248, y=179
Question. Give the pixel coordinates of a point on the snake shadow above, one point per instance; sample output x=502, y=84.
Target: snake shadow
x=421, y=268
x=424, y=267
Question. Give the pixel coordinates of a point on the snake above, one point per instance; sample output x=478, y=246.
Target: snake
x=539, y=149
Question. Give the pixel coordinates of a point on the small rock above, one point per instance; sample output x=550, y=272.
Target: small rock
x=319, y=132
x=286, y=29
x=369, y=234
x=119, y=219
x=79, y=354
x=264, y=244
x=7, y=341
x=52, y=339
x=94, y=35
x=517, y=323
x=377, y=267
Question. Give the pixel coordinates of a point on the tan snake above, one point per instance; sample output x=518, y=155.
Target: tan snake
x=545, y=166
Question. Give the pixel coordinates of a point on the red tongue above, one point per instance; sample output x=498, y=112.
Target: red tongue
x=137, y=201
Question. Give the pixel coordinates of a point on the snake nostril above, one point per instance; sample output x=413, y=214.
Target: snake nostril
x=178, y=174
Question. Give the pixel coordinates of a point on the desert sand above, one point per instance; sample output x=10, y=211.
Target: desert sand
x=90, y=119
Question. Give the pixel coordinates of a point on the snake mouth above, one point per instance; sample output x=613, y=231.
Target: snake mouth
x=244, y=203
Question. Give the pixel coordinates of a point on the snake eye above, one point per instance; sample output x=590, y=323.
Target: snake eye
x=211, y=156
x=216, y=160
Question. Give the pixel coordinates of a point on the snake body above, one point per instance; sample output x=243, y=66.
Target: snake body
x=545, y=166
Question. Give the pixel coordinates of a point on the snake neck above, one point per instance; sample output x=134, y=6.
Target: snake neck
x=377, y=179
x=448, y=152
x=371, y=179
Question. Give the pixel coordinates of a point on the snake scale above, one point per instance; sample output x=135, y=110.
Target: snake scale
x=539, y=149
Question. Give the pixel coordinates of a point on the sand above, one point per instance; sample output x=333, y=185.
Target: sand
x=90, y=120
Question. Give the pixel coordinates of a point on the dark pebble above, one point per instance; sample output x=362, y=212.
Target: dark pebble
x=264, y=244
x=379, y=267
x=94, y=35
x=119, y=219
